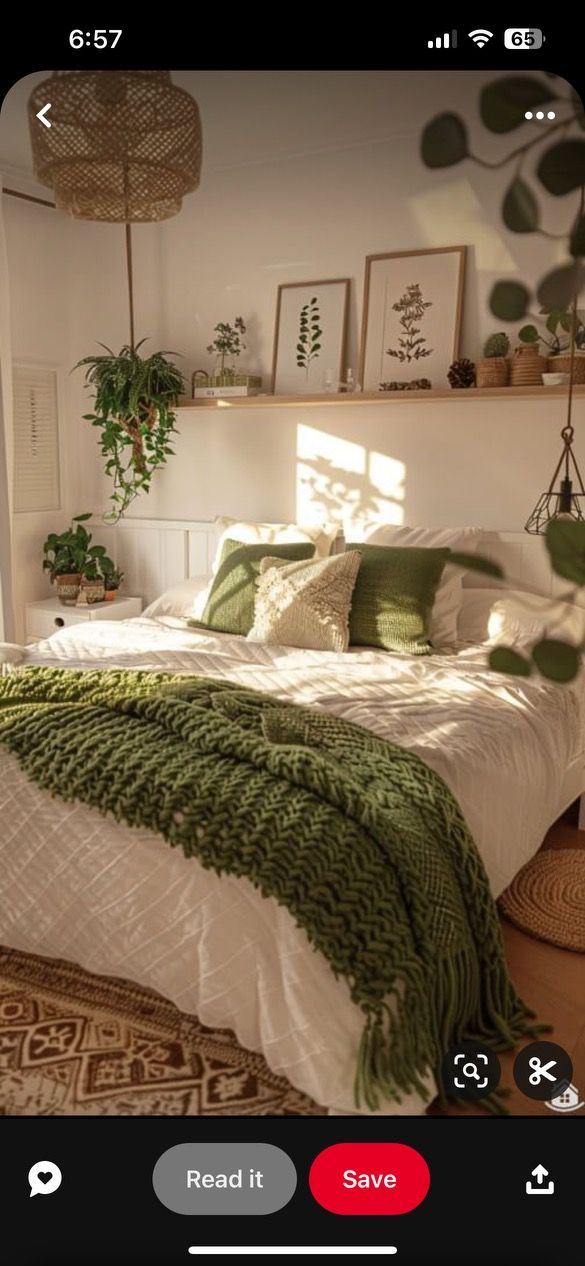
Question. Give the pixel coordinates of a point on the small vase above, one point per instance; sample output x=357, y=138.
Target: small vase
x=68, y=588
x=492, y=371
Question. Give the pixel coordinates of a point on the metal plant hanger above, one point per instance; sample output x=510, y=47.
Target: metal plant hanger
x=562, y=501
x=124, y=146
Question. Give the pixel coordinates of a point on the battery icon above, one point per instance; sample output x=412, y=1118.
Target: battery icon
x=522, y=38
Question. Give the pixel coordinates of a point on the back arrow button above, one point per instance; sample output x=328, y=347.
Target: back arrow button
x=41, y=115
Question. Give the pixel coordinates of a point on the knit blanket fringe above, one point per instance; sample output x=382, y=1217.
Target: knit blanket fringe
x=360, y=840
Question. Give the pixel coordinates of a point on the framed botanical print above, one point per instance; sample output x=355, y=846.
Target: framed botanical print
x=411, y=322
x=309, y=336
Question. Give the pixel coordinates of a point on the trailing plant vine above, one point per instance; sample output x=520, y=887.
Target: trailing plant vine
x=560, y=171
x=134, y=398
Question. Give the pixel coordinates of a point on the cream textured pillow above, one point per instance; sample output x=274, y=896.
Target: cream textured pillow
x=307, y=603
x=250, y=533
x=449, y=595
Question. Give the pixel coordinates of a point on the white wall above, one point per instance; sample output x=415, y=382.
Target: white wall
x=439, y=463
x=67, y=289
x=304, y=174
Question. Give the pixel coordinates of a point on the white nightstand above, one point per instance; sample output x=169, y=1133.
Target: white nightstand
x=46, y=617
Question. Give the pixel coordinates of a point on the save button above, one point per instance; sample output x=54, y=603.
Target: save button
x=369, y=1178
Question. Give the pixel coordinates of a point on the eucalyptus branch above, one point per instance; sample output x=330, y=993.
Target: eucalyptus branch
x=522, y=149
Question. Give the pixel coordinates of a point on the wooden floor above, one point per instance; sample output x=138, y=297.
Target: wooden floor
x=552, y=983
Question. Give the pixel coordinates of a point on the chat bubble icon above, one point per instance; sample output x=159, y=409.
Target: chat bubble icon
x=44, y=1178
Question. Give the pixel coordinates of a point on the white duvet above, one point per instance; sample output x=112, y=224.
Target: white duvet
x=119, y=901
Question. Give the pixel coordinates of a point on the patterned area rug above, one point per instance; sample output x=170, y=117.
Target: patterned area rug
x=75, y=1044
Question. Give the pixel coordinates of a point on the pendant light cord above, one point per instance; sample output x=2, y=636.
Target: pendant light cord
x=129, y=276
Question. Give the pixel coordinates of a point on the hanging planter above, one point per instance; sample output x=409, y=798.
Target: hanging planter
x=134, y=398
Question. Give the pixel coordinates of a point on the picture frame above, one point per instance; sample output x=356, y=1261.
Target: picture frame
x=310, y=336
x=411, y=321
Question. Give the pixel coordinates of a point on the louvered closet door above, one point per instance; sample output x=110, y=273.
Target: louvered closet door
x=36, y=439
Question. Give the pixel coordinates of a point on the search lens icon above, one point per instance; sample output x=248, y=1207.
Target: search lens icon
x=44, y=1178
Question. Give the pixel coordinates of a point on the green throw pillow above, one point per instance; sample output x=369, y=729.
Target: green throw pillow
x=230, y=605
x=393, y=597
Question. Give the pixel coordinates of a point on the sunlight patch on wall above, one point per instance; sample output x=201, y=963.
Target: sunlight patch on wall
x=454, y=213
x=342, y=482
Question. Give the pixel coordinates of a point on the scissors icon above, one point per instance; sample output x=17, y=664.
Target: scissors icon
x=540, y=1070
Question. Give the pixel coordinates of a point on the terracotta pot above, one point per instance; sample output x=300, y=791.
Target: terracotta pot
x=562, y=365
x=91, y=591
x=110, y=594
x=68, y=588
x=527, y=366
x=492, y=371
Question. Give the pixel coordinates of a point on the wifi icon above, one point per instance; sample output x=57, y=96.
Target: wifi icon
x=480, y=37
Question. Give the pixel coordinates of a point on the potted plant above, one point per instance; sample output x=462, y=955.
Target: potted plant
x=113, y=578
x=227, y=342
x=559, y=322
x=494, y=369
x=91, y=588
x=65, y=556
x=134, y=398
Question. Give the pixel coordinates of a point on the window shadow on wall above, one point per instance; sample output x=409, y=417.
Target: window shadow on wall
x=342, y=482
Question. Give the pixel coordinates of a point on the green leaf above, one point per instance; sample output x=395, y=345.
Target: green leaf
x=577, y=242
x=528, y=334
x=444, y=141
x=556, y=660
x=506, y=660
x=562, y=168
x=474, y=562
x=82, y=518
x=565, y=542
x=559, y=287
x=509, y=300
x=520, y=208
x=504, y=102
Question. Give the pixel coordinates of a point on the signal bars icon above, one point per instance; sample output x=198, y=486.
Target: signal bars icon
x=448, y=40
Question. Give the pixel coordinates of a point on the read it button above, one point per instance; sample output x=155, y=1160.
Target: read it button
x=367, y=1178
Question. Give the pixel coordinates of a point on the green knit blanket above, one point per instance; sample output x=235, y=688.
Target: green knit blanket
x=358, y=838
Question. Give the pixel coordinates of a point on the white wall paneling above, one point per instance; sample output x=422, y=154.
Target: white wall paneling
x=154, y=554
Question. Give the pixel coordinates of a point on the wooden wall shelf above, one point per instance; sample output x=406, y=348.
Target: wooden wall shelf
x=345, y=399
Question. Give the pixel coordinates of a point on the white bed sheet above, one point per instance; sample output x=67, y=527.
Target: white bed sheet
x=119, y=901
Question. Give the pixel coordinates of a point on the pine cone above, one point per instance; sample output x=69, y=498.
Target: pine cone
x=462, y=373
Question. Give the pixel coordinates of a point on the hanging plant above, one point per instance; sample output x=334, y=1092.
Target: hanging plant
x=507, y=105
x=134, y=398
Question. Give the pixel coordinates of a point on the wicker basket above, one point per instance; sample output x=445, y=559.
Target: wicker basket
x=562, y=365
x=526, y=368
x=493, y=371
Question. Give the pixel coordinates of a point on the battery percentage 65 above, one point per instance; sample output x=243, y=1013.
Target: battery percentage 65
x=522, y=38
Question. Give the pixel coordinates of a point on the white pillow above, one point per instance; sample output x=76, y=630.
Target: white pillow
x=250, y=533
x=448, y=598
x=515, y=618
x=183, y=601
x=305, y=603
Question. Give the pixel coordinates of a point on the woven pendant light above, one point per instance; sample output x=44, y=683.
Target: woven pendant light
x=123, y=146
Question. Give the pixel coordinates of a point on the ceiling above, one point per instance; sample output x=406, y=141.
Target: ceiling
x=251, y=117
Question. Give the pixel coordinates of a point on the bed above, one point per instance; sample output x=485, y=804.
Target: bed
x=118, y=901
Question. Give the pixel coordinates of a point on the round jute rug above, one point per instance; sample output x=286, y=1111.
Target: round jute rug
x=547, y=898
